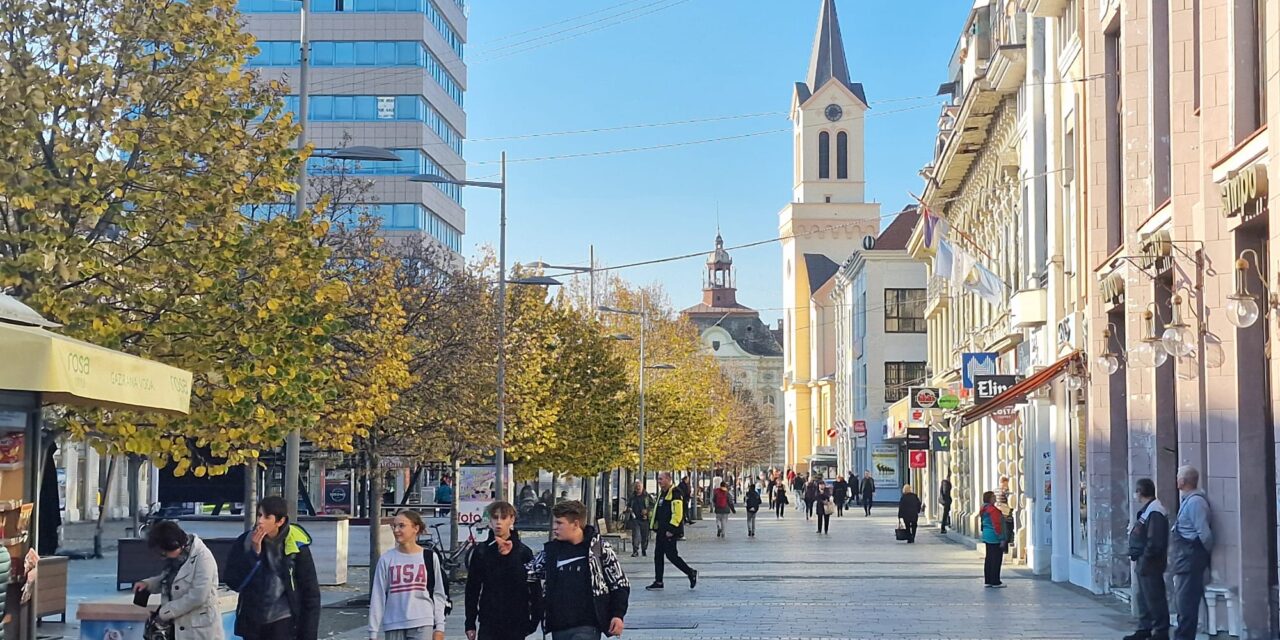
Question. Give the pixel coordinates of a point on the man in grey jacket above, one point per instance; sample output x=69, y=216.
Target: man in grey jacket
x=1148, y=549
x=1190, y=543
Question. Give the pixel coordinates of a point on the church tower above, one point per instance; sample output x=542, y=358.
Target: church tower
x=825, y=222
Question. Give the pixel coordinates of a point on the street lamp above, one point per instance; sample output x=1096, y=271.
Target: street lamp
x=644, y=322
x=500, y=455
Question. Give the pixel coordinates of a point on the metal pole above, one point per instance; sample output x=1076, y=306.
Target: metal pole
x=500, y=455
x=643, y=319
x=293, y=444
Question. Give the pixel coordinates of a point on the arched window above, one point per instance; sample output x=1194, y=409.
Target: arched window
x=842, y=155
x=824, y=155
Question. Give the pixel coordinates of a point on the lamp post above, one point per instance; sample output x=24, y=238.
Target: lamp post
x=644, y=322
x=499, y=456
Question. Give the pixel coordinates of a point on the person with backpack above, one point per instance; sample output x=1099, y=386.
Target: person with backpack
x=723, y=505
x=408, y=593
x=586, y=592
x=753, y=507
x=500, y=596
x=270, y=566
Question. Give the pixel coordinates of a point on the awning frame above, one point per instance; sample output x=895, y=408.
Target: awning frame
x=1020, y=391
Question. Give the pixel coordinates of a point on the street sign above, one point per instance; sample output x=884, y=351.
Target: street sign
x=917, y=438
x=832, y=433
x=918, y=459
x=860, y=427
x=948, y=401
x=917, y=416
x=1005, y=416
x=976, y=364
x=941, y=441
x=924, y=397
x=987, y=387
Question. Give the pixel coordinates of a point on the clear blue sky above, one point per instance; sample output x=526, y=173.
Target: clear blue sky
x=681, y=60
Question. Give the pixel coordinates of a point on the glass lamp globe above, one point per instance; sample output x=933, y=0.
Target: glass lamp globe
x=1159, y=355
x=1179, y=340
x=1108, y=362
x=1214, y=354
x=1074, y=382
x=1140, y=355
x=1242, y=311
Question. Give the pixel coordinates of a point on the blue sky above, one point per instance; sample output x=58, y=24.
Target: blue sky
x=674, y=60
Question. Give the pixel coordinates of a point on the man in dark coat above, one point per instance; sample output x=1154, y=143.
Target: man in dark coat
x=271, y=567
x=586, y=591
x=868, y=492
x=1148, y=549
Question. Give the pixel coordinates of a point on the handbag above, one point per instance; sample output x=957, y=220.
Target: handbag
x=157, y=629
x=901, y=533
x=828, y=507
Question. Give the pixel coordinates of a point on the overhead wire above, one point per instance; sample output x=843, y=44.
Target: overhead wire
x=557, y=23
x=515, y=49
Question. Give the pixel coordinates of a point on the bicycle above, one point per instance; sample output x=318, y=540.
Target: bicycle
x=456, y=561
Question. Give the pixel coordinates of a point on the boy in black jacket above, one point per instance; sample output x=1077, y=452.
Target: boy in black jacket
x=272, y=569
x=586, y=591
x=500, y=595
x=1149, y=548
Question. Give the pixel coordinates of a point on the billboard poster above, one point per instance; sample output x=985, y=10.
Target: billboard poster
x=475, y=490
x=337, y=492
x=884, y=466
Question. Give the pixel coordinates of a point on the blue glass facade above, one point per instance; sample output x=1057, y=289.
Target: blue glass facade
x=412, y=162
x=365, y=109
x=360, y=53
x=426, y=7
x=394, y=217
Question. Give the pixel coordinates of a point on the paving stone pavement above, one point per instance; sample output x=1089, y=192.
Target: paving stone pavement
x=857, y=582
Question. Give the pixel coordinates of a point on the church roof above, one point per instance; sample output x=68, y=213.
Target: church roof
x=820, y=269
x=719, y=256
x=828, y=62
x=895, y=236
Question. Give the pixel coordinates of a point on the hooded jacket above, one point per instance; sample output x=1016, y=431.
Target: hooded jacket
x=246, y=573
x=610, y=590
x=1149, y=539
x=500, y=595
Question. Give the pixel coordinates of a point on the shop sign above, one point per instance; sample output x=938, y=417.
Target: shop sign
x=860, y=427
x=337, y=493
x=948, y=401
x=919, y=459
x=884, y=466
x=917, y=416
x=917, y=438
x=1005, y=416
x=987, y=387
x=924, y=397
x=1244, y=188
x=941, y=441
x=976, y=364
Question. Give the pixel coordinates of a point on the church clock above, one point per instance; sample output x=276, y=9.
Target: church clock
x=834, y=112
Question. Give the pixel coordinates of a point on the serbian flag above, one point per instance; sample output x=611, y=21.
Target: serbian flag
x=934, y=229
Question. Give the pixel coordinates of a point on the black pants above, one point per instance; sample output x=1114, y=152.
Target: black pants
x=808, y=508
x=824, y=520
x=278, y=630
x=840, y=507
x=498, y=634
x=866, y=505
x=991, y=568
x=1153, y=604
x=946, y=516
x=666, y=547
x=780, y=509
x=910, y=526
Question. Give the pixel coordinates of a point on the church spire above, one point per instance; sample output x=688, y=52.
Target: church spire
x=828, y=60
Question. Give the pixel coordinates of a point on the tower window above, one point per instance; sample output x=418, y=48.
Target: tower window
x=842, y=156
x=824, y=155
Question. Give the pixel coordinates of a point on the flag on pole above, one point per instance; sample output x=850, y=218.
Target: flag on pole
x=944, y=260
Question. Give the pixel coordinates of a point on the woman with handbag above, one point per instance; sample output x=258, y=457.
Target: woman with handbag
x=909, y=512
x=638, y=506
x=188, y=587
x=824, y=507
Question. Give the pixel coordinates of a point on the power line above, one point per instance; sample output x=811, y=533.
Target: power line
x=514, y=49
x=645, y=125
x=558, y=23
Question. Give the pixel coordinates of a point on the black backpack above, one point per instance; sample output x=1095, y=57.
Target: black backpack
x=431, y=556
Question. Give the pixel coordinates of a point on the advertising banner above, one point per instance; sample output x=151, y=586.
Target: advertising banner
x=884, y=466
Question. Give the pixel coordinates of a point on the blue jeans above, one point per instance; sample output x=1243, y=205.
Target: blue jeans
x=577, y=633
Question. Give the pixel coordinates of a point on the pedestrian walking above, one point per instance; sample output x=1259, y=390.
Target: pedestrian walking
x=810, y=496
x=639, y=505
x=909, y=512
x=780, y=501
x=1148, y=546
x=840, y=493
x=500, y=597
x=408, y=595
x=752, y=501
x=722, y=502
x=668, y=526
x=1190, y=544
x=686, y=490
x=586, y=591
x=188, y=585
x=773, y=482
x=823, y=507
x=868, y=493
x=444, y=494
x=855, y=488
x=270, y=566
x=944, y=498
x=798, y=485
x=993, y=536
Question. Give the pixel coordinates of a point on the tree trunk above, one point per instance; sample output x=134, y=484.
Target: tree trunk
x=250, y=495
x=102, y=510
x=375, y=502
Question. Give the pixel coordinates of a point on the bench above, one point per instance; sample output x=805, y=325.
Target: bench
x=616, y=539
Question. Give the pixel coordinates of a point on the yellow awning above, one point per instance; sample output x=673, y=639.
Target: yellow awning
x=70, y=371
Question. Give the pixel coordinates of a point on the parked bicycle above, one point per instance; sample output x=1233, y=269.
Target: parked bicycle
x=456, y=560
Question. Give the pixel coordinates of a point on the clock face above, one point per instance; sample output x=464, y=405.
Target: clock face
x=834, y=112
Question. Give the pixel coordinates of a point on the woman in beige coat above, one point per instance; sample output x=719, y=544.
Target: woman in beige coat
x=188, y=587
